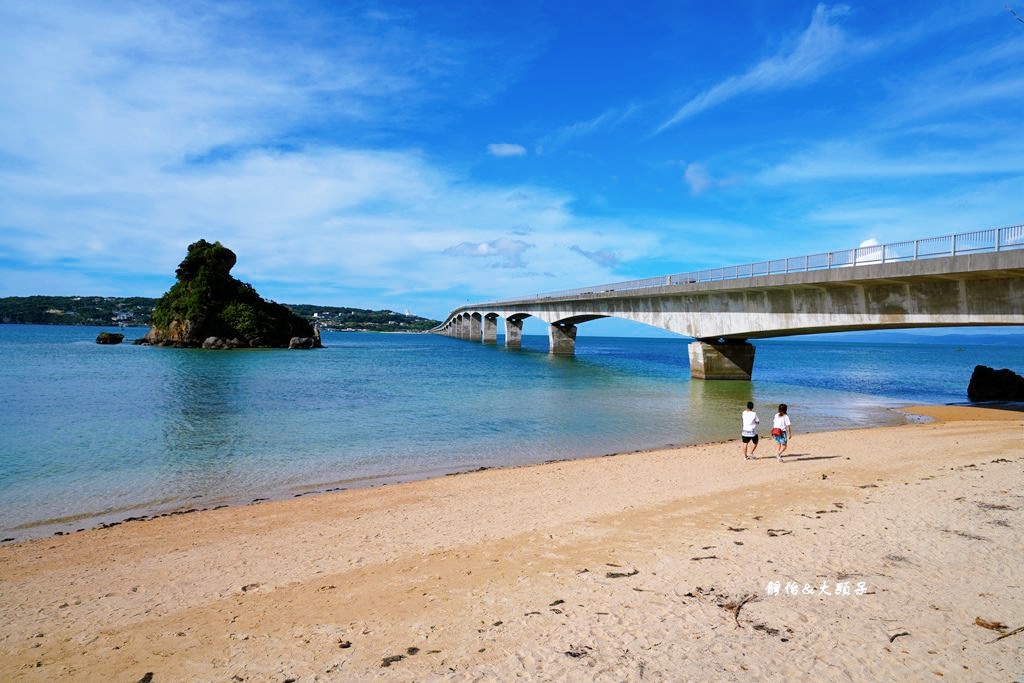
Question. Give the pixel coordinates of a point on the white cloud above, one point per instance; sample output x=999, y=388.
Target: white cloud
x=973, y=83
x=507, y=253
x=818, y=50
x=101, y=89
x=602, y=257
x=870, y=242
x=696, y=176
x=899, y=216
x=868, y=159
x=504, y=149
x=134, y=132
x=608, y=119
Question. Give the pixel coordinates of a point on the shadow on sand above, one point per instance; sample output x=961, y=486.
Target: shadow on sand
x=796, y=457
x=806, y=457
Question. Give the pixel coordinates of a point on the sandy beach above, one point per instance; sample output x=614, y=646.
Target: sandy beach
x=877, y=554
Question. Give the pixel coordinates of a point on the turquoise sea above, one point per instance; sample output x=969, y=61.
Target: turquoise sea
x=91, y=434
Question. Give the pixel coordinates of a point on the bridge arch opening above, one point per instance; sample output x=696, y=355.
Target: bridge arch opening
x=616, y=326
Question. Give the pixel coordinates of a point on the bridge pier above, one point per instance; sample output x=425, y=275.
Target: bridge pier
x=513, y=333
x=562, y=339
x=474, y=327
x=490, y=323
x=729, y=359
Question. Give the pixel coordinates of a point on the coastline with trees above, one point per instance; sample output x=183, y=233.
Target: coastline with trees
x=137, y=311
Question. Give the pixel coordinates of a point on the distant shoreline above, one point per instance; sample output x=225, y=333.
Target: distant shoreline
x=146, y=327
x=868, y=337
x=102, y=311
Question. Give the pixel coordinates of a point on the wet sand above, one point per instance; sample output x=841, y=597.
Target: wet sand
x=677, y=564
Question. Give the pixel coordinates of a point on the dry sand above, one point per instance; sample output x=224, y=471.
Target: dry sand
x=645, y=566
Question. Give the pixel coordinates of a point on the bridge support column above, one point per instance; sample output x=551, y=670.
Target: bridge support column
x=490, y=330
x=562, y=338
x=462, y=331
x=474, y=328
x=731, y=359
x=513, y=334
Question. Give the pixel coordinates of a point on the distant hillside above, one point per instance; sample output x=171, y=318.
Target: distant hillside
x=344, y=318
x=138, y=311
x=76, y=310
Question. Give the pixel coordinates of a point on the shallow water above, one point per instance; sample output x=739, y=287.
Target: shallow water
x=93, y=433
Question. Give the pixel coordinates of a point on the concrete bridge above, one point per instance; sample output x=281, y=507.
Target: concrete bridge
x=972, y=278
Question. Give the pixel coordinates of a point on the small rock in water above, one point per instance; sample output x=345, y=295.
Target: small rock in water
x=109, y=338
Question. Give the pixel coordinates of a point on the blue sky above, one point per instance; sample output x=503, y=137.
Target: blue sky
x=425, y=155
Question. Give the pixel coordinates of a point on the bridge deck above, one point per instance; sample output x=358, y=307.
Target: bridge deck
x=982, y=287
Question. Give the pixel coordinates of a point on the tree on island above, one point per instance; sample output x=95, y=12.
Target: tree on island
x=208, y=307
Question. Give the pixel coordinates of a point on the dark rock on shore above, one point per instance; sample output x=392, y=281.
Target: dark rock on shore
x=209, y=308
x=109, y=338
x=988, y=384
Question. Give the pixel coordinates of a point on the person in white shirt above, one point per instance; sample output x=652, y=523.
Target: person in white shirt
x=749, y=433
x=782, y=431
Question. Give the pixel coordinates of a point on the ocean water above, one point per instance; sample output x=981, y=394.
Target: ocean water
x=92, y=434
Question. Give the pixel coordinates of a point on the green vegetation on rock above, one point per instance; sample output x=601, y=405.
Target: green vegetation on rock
x=207, y=301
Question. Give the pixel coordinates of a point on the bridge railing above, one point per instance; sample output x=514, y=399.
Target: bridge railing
x=994, y=239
